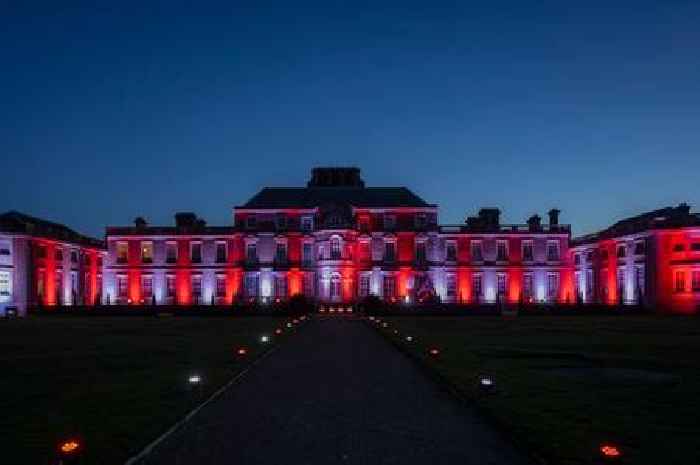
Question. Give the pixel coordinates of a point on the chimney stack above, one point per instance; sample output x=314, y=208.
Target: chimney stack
x=554, y=216
x=185, y=219
x=534, y=223
x=140, y=222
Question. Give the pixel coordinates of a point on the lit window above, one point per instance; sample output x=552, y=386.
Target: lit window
x=147, y=252
x=196, y=252
x=122, y=252
x=477, y=256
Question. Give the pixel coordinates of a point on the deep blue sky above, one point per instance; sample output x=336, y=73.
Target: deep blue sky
x=113, y=112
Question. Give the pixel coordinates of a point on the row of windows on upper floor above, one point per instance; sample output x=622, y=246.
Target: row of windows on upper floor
x=335, y=251
x=621, y=252
x=306, y=223
x=75, y=255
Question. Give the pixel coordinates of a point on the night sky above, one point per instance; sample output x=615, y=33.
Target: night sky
x=114, y=112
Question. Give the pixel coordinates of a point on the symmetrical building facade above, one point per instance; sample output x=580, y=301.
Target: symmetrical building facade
x=338, y=241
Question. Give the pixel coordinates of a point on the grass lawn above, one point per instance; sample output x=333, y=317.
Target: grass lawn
x=566, y=384
x=118, y=382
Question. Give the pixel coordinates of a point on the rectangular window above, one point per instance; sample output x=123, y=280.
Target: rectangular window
x=364, y=285
x=389, y=222
x=590, y=285
x=309, y=285
x=502, y=251
x=221, y=252
x=363, y=223
x=98, y=289
x=281, y=287
x=59, y=287
x=5, y=286
x=122, y=252
x=639, y=248
x=451, y=252
x=147, y=252
x=680, y=281
x=74, y=256
x=58, y=254
x=695, y=247
x=251, y=253
x=147, y=288
x=40, y=284
x=4, y=248
x=527, y=287
x=196, y=252
x=335, y=248
x=281, y=253
x=420, y=220
x=220, y=285
x=553, y=251
x=527, y=251
x=281, y=221
x=451, y=286
x=251, y=285
x=477, y=256
x=389, y=287
x=696, y=281
x=501, y=281
x=170, y=286
x=74, y=287
x=121, y=286
x=621, y=251
x=307, y=254
x=41, y=251
x=171, y=252
x=420, y=252
x=620, y=283
x=639, y=280
x=477, y=288
x=251, y=222
x=577, y=259
x=196, y=288
x=552, y=286
x=389, y=251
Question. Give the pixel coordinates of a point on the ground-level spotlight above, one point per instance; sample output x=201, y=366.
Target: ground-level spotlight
x=371, y=318
x=322, y=309
x=486, y=384
x=302, y=318
x=278, y=331
x=409, y=338
x=385, y=325
x=242, y=351
x=69, y=450
x=296, y=322
x=396, y=331
x=331, y=309
x=434, y=352
x=610, y=453
x=264, y=338
x=349, y=309
x=289, y=325
x=194, y=380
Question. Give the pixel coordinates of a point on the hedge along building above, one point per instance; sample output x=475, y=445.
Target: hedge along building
x=337, y=240
x=47, y=264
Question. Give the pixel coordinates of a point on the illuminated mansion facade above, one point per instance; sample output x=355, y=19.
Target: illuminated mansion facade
x=338, y=241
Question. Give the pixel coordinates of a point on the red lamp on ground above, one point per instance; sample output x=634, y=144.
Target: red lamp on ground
x=242, y=351
x=69, y=451
x=610, y=453
x=434, y=352
x=278, y=331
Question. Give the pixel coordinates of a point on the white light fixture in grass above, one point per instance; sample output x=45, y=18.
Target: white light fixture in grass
x=385, y=325
x=289, y=325
x=194, y=380
x=409, y=338
x=371, y=318
x=486, y=383
x=264, y=338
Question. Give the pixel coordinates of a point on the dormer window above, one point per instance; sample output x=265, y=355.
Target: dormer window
x=389, y=221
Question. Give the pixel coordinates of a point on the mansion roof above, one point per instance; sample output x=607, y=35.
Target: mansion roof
x=20, y=223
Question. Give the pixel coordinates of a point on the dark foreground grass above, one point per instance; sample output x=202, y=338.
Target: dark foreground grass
x=567, y=384
x=118, y=382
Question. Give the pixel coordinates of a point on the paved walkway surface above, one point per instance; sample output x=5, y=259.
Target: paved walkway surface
x=336, y=393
